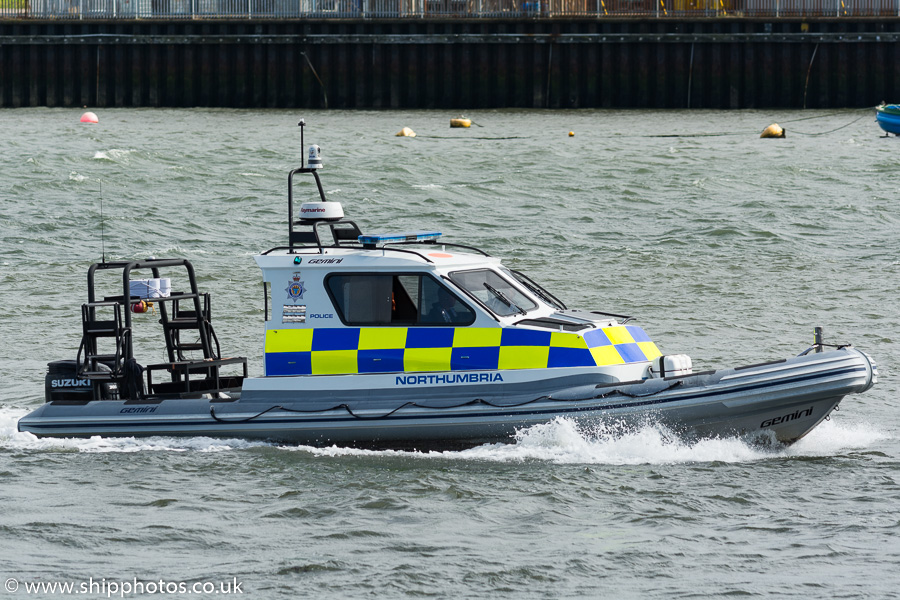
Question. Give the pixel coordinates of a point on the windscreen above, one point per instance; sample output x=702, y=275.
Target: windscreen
x=495, y=292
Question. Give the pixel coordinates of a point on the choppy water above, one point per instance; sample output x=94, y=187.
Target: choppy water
x=727, y=247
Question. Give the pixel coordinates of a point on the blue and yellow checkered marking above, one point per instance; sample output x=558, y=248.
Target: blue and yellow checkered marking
x=399, y=349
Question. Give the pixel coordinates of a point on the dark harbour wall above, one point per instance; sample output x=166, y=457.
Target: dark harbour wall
x=579, y=63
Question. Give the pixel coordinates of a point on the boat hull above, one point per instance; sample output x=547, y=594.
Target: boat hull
x=888, y=118
x=779, y=401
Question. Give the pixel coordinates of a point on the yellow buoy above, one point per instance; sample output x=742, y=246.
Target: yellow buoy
x=571, y=134
x=772, y=131
x=460, y=122
x=406, y=132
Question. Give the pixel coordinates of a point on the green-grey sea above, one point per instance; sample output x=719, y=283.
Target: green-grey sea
x=724, y=246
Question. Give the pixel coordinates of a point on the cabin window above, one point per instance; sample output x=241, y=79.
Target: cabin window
x=396, y=299
x=495, y=292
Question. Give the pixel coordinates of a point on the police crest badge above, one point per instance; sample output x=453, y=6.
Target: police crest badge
x=295, y=287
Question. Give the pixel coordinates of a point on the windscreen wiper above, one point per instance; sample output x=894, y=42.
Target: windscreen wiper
x=538, y=290
x=502, y=297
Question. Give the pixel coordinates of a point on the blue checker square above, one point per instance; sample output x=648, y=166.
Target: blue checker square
x=429, y=337
x=380, y=361
x=595, y=338
x=335, y=339
x=467, y=359
x=570, y=357
x=524, y=337
x=637, y=333
x=288, y=363
x=631, y=353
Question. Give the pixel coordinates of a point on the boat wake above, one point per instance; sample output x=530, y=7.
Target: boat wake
x=563, y=441
x=560, y=441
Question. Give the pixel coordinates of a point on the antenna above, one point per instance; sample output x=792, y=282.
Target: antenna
x=102, y=236
x=301, y=124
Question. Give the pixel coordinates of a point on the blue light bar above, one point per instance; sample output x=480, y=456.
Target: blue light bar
x=386, y=238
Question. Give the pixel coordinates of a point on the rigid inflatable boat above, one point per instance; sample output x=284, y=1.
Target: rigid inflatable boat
x=403, y=340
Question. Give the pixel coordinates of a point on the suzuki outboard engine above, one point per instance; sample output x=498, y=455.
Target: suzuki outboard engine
x=62, y=382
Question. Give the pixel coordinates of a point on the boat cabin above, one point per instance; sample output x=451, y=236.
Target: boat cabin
x=345, y=302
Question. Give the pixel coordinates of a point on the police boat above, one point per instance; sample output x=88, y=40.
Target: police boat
x=404, y=340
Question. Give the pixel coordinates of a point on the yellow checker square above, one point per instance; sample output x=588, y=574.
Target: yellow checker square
x=289, y=340
x=477, y=337
x=649, y=349
x=559, y=339
x=334, y=362
x=618, y=335
x=427, y=359
x=606, y=355
x=382, y=338
x=523, y=357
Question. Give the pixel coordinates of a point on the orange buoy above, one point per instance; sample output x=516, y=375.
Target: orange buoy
x=571, y=134
x=89, y=117
x=460, y=122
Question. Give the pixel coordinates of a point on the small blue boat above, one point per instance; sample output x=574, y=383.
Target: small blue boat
x=888, y=117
